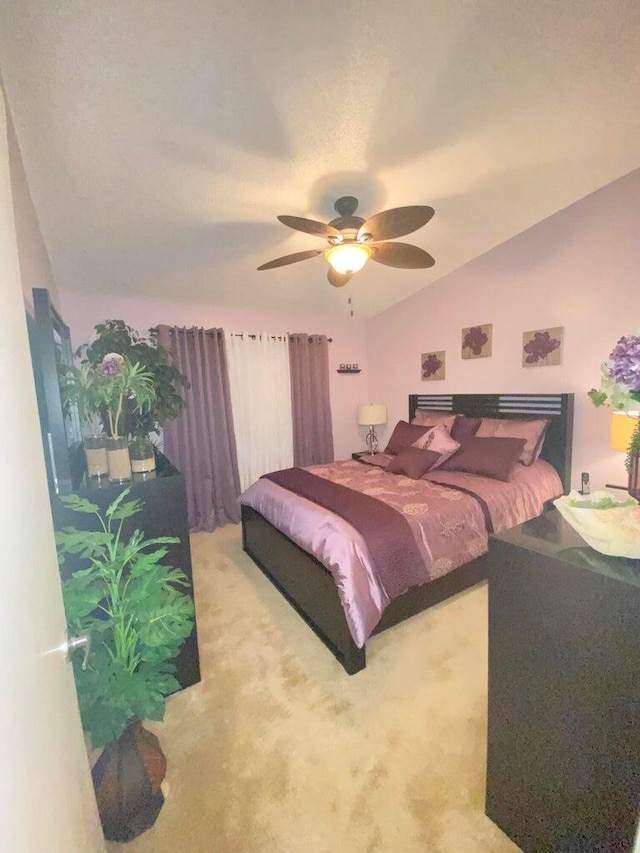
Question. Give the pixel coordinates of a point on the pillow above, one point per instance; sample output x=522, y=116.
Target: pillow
x=380, y=460
x=439, y=441
x=489, y=457
x=424, y=417
x=464, y=427
x=413, y=462
x=404, y=435
x=532, y=430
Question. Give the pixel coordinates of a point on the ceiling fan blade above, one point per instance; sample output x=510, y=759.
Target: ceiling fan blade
x=396, y=222
x=401, y=255
x=309, y=226
x=291, y=259
x=337, y=279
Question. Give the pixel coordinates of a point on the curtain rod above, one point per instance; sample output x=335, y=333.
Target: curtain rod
x=172, y=331
x=273, y=337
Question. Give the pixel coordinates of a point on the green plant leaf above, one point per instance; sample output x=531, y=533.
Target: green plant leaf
x=78, y=504
x=89, y=544
x=126, y=510
x=113, y=506
x=81, y=597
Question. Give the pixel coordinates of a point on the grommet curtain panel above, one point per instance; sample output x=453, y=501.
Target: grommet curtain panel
x=259, y=379
x=201, y=442
x=310, y=400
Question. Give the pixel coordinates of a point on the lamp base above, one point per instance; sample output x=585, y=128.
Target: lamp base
x=372, y=441
x=634, y=476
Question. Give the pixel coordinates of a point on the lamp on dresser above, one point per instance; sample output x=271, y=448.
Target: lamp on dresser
x=624, y=426
x=372, y=415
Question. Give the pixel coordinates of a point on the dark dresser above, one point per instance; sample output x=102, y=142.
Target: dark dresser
x=164, y=514
x=563, y=762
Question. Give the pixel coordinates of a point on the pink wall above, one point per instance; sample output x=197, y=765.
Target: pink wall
x=579, y=269
x=35, y=268
x=82, y=312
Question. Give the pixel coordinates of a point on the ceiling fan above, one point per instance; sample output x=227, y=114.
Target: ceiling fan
x=353, y=240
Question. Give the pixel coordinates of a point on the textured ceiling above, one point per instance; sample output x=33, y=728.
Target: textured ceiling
x=161, y=139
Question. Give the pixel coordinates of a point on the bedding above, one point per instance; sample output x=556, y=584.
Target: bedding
x=450, y=515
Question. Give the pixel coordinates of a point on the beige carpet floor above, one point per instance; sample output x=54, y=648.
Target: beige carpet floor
x=279, y=751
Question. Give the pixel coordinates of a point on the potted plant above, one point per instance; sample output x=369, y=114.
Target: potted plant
x=142, y=455
x=115, y=336
x=82, y=388
x=125, y=384
x=137, y=615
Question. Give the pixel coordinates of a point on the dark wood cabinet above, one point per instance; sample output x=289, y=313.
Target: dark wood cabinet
x=164, y=514
x=563, y=762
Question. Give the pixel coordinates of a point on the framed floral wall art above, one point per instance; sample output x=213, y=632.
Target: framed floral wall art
x=432, y=365
x=542, y=347
x=477, y=340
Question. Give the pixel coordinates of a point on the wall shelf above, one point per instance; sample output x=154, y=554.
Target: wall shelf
x=339, y=370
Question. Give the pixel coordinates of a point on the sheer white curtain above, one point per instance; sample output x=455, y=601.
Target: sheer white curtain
x=260, y=382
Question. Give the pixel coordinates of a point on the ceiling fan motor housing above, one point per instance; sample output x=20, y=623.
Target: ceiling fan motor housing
x=348, y=226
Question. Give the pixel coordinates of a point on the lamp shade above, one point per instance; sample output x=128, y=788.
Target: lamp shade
x=347, y=257
x=372, y=414
x=623, y=426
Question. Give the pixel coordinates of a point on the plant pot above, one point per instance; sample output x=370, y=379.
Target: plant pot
x=142, y=455
x=127, y=779
x=118, y=457
x=95, y=451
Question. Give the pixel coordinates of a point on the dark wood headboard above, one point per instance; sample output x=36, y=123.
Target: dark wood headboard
x=557, y=407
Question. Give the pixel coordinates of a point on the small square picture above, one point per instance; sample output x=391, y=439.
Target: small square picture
x=432, y=365
x=476, y=341
x=542, y=347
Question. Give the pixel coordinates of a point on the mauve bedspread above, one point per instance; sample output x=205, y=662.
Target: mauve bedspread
x=449, y=526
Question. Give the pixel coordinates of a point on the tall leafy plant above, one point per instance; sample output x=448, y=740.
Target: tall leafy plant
x=80, y=386
x=115, y=336
x=135, y=611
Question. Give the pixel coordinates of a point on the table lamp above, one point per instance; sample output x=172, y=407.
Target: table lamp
x=372, y=415
x=623, y=427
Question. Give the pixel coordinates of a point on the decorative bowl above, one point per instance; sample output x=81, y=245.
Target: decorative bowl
x=608, y=525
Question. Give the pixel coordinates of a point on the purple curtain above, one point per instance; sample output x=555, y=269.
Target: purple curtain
x=310, y=402
x=201, y=442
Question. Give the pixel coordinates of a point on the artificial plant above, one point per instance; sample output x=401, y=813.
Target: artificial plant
x=135, y=612
x=114, y=336
x=80, y=386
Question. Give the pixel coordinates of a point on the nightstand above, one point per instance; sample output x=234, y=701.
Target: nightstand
x=563, y=757
x=360, y=453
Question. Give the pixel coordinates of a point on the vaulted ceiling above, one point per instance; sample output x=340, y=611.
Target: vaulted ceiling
x=161, y=139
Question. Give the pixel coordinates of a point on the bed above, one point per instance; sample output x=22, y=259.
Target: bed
x=311, y=588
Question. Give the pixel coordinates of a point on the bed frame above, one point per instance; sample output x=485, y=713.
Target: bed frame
x=310, y=588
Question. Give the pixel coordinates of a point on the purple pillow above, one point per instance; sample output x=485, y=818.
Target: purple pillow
x=464, y=427
x=413, y=462
x=404, y=435
x=488, y=457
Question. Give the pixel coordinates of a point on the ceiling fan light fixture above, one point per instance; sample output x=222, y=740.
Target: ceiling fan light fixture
x=347, y=257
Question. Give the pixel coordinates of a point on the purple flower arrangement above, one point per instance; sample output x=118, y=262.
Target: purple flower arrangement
x=624, y=364
x=620, y=387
